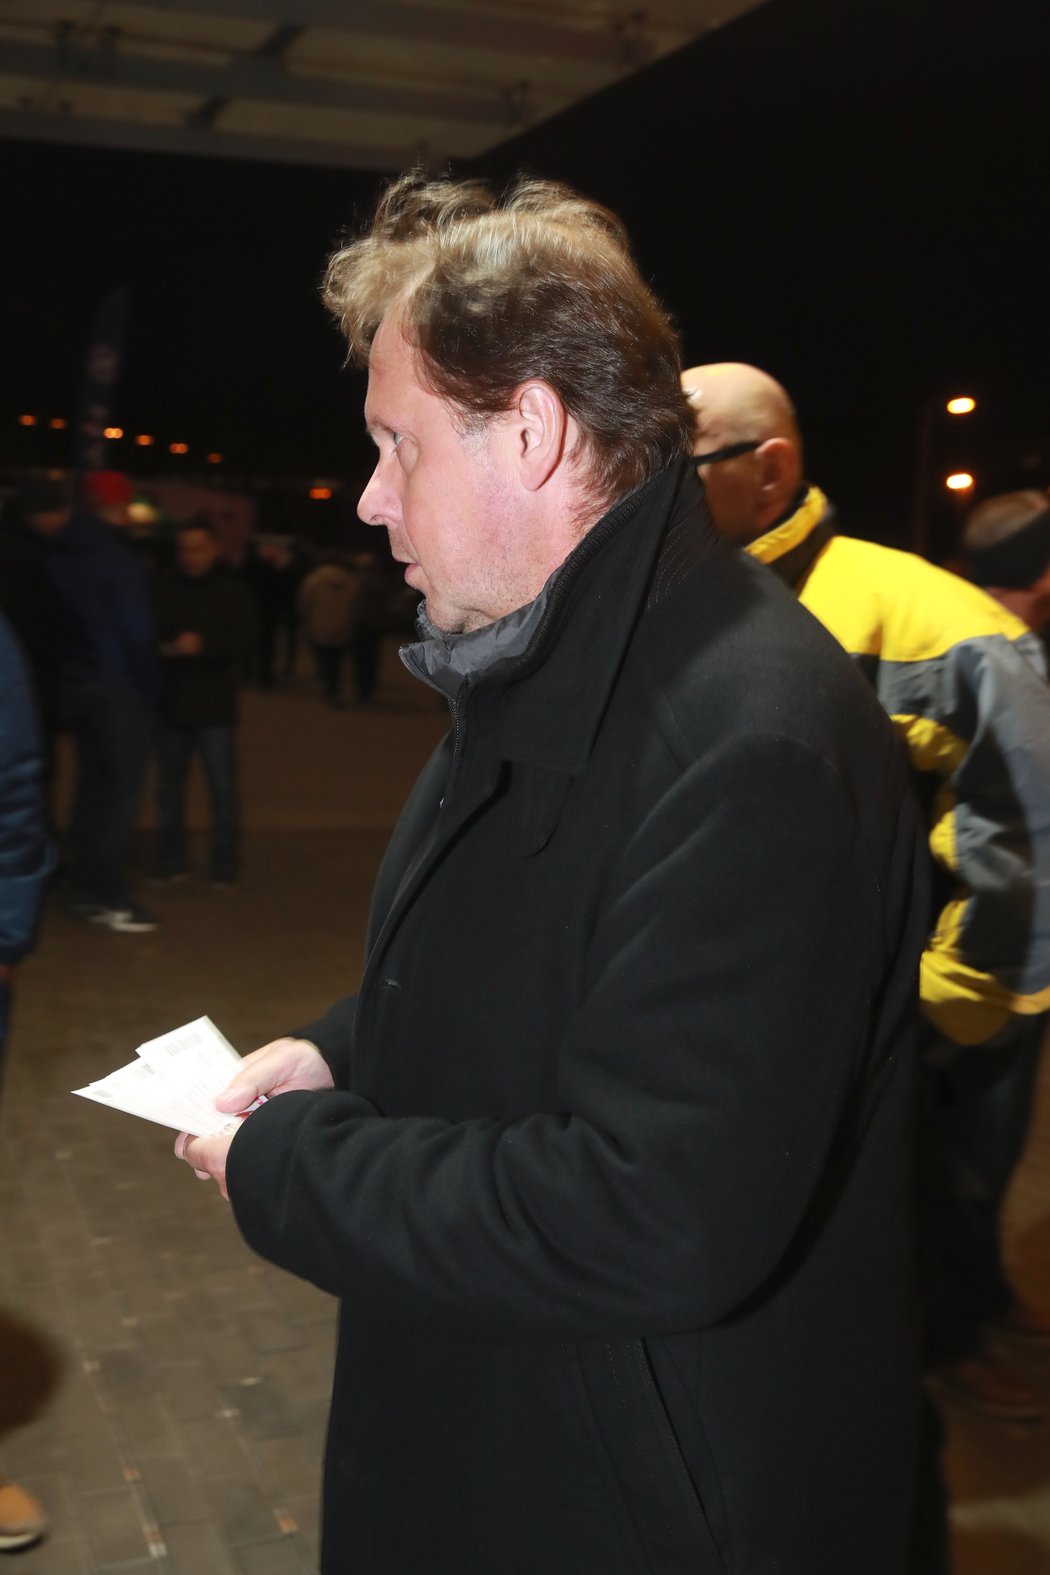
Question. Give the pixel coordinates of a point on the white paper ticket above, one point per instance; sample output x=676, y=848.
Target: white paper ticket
x=175, y=1080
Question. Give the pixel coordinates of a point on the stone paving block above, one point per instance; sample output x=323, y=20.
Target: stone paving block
x=241, y=1510
x=172, y=1494
x=306, y=1372
x=115, y=1525
x=211, y=1447
x=268, y=1330
x=167, y=1337
x=198, y=1548
x=146, y=1427
x=262, y=1407
x=186, y=1389
x=77, y=1405
x=306, y=1514
x=290, y=1556
x=288, y=1467
x=124, y=1372
x=92, y=1461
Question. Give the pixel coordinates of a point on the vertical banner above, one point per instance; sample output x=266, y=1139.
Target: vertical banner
x=101, y=371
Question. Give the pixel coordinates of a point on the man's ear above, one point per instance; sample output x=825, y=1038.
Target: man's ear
x=779, y=476
x=539, y=428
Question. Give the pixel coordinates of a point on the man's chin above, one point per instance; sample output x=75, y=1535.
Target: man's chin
x=431, y=621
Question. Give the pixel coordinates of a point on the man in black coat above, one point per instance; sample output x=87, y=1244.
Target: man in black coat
x=608, y=1159
x=206, y=624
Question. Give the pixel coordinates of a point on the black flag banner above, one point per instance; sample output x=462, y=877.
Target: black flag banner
x=101, y=371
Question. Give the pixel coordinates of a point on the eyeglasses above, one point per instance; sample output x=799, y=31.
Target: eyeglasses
x=730, y=451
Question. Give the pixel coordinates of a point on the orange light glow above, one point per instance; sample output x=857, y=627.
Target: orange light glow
x=214, y=459
x=144, y=440
x=320, y=493
x=27, y=421
x=178, y=448
x=57, y=424
x=112, y=432
x=961, y=406
x=961, y=481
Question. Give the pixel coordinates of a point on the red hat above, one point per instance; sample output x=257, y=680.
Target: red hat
x=103, y=488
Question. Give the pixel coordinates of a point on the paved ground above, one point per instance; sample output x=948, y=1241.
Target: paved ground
x=164, y=1392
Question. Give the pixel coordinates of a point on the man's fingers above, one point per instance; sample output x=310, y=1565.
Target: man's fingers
x=239, y=1094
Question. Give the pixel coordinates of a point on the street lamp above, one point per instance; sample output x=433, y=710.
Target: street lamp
x=958, y=405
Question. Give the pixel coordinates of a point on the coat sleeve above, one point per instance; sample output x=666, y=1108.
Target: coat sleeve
x=24, y=852
x=719, y=1043
x=978, y=719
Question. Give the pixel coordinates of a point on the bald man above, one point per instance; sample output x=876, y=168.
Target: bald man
x=962, y=679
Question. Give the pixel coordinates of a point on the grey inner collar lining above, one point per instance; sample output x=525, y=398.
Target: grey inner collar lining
x=446, y=661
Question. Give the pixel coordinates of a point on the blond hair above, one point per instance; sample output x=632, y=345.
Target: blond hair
x=493, y=292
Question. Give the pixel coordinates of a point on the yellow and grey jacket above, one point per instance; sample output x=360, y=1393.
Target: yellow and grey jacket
x=964, y=683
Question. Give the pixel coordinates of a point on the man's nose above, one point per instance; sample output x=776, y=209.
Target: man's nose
x=377, y=504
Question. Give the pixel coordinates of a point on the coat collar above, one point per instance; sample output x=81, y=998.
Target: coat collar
x=551, y=699
x=792, y=547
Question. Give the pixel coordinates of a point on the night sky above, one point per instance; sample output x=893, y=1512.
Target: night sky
x=851, y=193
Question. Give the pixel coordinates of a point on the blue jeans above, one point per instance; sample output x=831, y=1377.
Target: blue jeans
x=217, y=747
x=112, y=729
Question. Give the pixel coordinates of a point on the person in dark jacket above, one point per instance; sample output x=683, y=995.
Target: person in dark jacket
x=30, y=602
x=106, y=695
x=24, y=864
x=609, y=1157
x=205, y=622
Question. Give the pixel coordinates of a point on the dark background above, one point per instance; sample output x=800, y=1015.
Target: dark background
x=851, y=193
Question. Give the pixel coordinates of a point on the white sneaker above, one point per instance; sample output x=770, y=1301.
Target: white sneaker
x=131, y=920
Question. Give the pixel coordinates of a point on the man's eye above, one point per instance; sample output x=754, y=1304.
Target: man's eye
x=397, y=436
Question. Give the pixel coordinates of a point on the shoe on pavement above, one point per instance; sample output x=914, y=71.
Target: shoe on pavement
x=131, y=920
x=984, y=1385
x=21, y=1517
x=1026, y=1325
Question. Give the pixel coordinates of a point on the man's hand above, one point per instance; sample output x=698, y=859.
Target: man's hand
x=207, y=1155
x=279, y=1067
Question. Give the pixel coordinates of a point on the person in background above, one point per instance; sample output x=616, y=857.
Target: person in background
x=206, y=627
x=24, y=864
x=962, y=680
x=106, y=691
x=373, y=621
x=608, y=1158
x=1005, y=549
x=329, y=611
x=30, y=602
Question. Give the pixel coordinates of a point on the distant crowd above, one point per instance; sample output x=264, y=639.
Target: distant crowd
x=139, y=633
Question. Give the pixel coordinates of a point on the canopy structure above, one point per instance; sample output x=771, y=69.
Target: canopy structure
x=367, y=84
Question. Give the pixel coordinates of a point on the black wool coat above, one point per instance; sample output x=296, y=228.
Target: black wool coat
x=614, y=1183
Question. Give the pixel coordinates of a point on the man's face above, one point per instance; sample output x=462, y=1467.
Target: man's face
x=197, y=551
x=447, y=500
x=732, y=485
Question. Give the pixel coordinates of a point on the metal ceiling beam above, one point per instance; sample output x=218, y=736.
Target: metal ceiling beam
x=28, y=125
x=244, y=76
x=506, y=34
